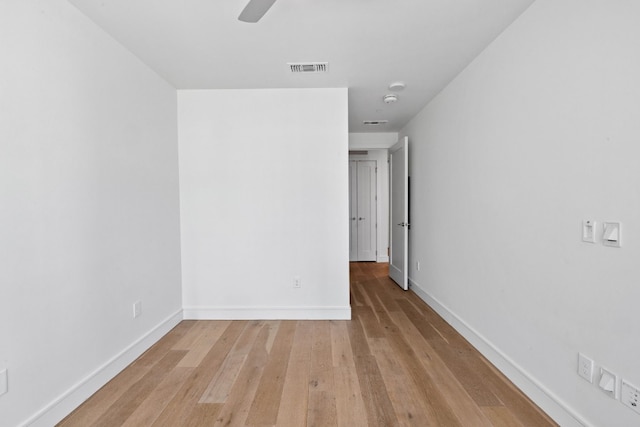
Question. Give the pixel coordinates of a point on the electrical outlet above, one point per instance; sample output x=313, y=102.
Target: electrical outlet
x=585, y=367
x=4, y=382
x=630, y=396
x=297, y=283
x=137, y=309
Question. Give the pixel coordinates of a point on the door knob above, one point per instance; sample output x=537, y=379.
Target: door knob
x=402, y=224
x=360, y=218
x=353, y=219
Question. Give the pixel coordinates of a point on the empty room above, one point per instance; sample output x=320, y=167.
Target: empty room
x=310, y=213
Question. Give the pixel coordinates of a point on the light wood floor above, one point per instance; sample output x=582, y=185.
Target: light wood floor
x=397, y=363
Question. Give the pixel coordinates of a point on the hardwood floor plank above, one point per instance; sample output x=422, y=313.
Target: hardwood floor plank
x=190, y=338
x=159, y=349
x=438, y=407
x=512, y=398
x=100, y=402
x=340, y=344
x=187, y=397
x=295, y=393
x=350, y=409
x=405, y=397
x=322, y=404
x=203, y=414
x=370, y=323
x=379, y=408
x=451, y=389
x=470, y=380
x=264, y=409
x=378, y=405
x=157, y=401
x=236, y=408
x=129, y=401
x=221, y=384
x=322, y=409
x=501, y=416
x=200, y=345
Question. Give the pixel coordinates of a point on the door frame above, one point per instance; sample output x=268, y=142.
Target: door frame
x=381, y=155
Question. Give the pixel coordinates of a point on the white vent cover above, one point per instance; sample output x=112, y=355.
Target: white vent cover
x=308, y=67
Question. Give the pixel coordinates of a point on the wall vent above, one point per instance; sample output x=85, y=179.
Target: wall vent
x=375, y=122
x=308, y=67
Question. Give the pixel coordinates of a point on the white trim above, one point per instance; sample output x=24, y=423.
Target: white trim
x=548, y=401
x=81, y=391
x=382, y=258
x=267, y=313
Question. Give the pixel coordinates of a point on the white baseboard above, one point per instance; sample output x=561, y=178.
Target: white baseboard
x=555, y=407
x=55, y=411
x=267, y=313
x=382, y=258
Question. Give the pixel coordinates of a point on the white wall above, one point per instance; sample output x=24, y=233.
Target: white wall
x=362, y=140
x=264, y=198
x=89, y=209
x=540, y=132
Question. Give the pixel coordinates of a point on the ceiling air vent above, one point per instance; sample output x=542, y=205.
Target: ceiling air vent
x=375, y=122
x=308, y=67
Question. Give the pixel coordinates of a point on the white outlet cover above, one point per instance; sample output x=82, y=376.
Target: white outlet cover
x=585, y=367
x=137, y=309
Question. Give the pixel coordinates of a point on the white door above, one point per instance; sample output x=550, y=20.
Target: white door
x=399, y=197
x=362, y=206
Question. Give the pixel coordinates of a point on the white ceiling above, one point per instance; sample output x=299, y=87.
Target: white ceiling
x=200, y=44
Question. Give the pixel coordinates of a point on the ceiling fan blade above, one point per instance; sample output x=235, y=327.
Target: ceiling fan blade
x=255, y=9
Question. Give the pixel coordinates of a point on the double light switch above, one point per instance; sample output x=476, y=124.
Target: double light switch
x=610, y=232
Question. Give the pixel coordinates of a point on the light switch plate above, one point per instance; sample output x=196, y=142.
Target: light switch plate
x=611, y=234
x=608, y=383
x=589, y=231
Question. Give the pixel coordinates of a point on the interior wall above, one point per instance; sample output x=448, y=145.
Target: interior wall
x=539, y=133
x=89, y=208
x=380, y=140
x=264, y=200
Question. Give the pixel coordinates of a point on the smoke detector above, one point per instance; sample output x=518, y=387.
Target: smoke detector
x=397, y=86
x=390, y=98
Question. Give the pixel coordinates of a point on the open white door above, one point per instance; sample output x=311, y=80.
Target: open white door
x=399, y=197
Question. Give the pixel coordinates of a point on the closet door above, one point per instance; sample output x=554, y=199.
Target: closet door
x=362, y=210
x=366, y=210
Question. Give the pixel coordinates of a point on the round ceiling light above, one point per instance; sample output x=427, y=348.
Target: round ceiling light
x=397, y=86
x=390, y=98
